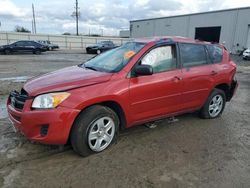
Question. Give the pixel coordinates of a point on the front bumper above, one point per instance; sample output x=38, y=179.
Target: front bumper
x=246, y=56
x=50, y=126
x=91, y=50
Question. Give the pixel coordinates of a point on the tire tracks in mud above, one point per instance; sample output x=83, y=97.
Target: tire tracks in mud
x=46, y=154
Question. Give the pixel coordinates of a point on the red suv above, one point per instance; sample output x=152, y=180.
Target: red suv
x=139, y=82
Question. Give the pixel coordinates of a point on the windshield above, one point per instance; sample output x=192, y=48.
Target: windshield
x=114, y=60
x=101, y=43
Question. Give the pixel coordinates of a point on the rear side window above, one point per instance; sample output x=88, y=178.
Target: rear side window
x=192, y=55
x=215, y=53
x=29, y=43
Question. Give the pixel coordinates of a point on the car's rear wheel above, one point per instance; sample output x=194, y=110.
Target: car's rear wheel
x=37, y=52
x=94, y=130
x=214, y=105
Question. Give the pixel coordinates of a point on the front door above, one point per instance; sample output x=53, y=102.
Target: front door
x=19, y=46
x=158, y=94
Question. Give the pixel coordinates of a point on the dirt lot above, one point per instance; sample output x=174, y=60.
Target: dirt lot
x=189, y=153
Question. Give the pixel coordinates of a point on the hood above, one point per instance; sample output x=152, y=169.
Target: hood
x=3, y=46
x=65, y=79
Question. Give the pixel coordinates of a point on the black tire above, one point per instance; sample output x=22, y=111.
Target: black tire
x=83, y=124
x=37, y=52
x=7, y=51
x=205, y=113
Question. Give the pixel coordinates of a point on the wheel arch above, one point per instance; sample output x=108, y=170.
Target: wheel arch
x=8, y=48
x=115, y=106
x=224, y=87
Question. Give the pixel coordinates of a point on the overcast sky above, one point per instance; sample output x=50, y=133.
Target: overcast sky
x=53, y=16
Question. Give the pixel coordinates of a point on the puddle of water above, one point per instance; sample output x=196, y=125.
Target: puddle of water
x=17, y=79
x=3, y=110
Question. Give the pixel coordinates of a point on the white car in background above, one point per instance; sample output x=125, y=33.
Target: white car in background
x=246, y=54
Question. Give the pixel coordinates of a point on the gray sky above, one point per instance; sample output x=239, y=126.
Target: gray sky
x=53, y=16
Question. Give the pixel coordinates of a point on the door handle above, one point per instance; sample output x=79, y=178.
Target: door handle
x=177, y=78
x=213, y=73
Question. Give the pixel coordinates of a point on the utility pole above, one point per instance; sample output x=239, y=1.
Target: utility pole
x=76, y=14
x=32, y=26
x=77, y=17
x=34, y=18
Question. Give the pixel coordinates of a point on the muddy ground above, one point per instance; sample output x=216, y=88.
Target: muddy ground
x=189, y=153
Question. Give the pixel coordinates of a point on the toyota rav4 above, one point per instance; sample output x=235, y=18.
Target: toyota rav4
x=139, y=82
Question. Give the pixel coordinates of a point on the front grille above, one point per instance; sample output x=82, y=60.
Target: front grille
x=17, y=99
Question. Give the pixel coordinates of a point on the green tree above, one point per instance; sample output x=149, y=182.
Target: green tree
x=21, y=29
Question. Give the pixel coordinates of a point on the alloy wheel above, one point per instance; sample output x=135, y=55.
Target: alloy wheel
x=101, y=134
x=215, y=105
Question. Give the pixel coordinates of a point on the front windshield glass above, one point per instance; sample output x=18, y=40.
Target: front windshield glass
x=114, y=60
x=101, y=43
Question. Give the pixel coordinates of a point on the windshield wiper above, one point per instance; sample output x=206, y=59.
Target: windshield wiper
x=91, y=68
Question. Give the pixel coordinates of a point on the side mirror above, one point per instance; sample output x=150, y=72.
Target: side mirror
x=143, y=70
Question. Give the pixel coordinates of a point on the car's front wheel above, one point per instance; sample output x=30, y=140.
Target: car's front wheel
x=37, y=52
x=7, y=51
x=98, y=52
x=94, y=130
x=214, y=105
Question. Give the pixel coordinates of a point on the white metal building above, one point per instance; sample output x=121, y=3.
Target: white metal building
x=125, y=33
x=231, y=26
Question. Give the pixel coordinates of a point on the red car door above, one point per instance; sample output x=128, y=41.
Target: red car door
x=197, y=75
x=158, y=94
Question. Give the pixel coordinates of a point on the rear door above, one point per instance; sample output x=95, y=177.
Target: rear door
x=158, y=94
x=31, y=46
x=197, y=74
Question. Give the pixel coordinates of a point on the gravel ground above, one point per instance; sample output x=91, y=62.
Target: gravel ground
x=188, y=153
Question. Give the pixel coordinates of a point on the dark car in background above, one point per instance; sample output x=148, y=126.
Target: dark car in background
x=50, y=46
x=100, y=47
x=23, y=46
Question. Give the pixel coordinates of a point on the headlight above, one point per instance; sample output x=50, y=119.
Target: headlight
x=50, y=100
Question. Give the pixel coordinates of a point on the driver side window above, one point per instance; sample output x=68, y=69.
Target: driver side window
x=161, y=59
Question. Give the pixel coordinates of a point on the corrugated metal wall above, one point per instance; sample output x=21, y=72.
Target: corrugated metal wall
x=234, y=26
